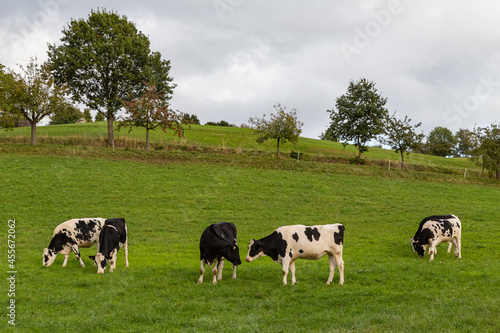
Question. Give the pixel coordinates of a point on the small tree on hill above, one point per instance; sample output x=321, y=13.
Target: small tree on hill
x=487, y=154
x=441, y=141
x=31, y=95
x=65, y=113
x=150, y=111
x=358, y=115
x=401, y=135
x=282, y=127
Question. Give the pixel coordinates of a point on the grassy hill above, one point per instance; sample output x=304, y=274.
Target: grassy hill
x=230, y=140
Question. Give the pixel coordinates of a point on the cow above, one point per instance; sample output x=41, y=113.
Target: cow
x=70, y=236
x=287, y=244
x=113, y=237
x=218, y=242
x=434, y=230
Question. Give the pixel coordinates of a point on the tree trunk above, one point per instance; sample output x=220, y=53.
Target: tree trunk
x=33, y=133
x=402, y=159
x=111, y=138
x=147, y=139
x=278, y=148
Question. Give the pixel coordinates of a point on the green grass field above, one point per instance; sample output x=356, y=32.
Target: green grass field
x=169, y=196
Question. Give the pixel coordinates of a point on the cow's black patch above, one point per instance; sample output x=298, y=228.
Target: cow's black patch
x=60, y=239
x=338, y=237
x=301, y=251
x=85, y=229
x=312, y=232
x=273, y=246
x=295, y=236
x=290, y=254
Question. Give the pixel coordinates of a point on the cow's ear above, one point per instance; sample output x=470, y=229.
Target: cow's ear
x=92, y=257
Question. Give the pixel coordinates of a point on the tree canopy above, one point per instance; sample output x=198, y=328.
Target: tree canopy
x=487, y=154
x=282, y=126
x=358, y=115
x=441, y=141
x=401, y=135
x=150, y=111
x=31, y=95
x=104, y=60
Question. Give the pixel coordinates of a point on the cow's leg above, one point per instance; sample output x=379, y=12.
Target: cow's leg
x=286, y=264
x=65, y=251
x=77, y=254
x=340, y=265
x=432, y=250
x=234, y=271
x=221, y=266
x=112, y=262
x=332, y=262
x=458, y=250
x=449, y=246
x=292, y=270
x=125, y=250
x=214, y=270
x=202, y=271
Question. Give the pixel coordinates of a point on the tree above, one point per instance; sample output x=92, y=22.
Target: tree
x=441, y=141
x=466, y=142
x=282, y=127
x=87, y=115
x=191, y=119
x=487, y=154
x=65, y=113
x=358, y=115
x=31, y=94
x=104, y=60
x=150, y=111
x=401, y=135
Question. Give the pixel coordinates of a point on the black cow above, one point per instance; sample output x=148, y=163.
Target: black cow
x=436, y=229
x=113, y=236
x=219, y=242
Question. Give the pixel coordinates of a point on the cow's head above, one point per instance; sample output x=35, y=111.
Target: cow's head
x=254, y=250
x=420, y=249
x=101, y=262
x=232, y=253
x=48, y=257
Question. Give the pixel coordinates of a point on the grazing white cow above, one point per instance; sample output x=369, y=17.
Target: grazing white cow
x=288, y=243
x=436, y=229
x=69, y=236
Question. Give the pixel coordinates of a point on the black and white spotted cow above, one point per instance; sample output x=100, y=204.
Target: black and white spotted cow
x=113, y=236
x=70, y=236
x=434, y=230
x=288, y=243
x=218, y=242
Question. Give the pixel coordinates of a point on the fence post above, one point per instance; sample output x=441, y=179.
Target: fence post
x=465, y=173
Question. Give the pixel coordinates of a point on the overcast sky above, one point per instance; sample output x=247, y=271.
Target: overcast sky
x=436, y=61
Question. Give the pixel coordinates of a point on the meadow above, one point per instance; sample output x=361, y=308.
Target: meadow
x=167, y=203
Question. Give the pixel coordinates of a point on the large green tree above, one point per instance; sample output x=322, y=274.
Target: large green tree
x=104, y=60
x=30, y=94
x=441, y=141
x=358, y=115
x=401, y=135
x=282, y=126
